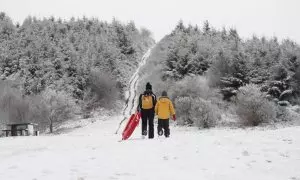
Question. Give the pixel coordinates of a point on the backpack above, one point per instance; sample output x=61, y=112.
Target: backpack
x=147, y=102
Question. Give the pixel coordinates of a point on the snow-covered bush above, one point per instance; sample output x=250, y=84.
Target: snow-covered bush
x=197, y=111
x=283, y=114
x=39, y=112
x=102, y=91
x=45, y=109
x=58, y=106
x=204, y=114
x=13, y=105
x=252, y=106
x=278, y=72
x=218, y=69
x=191, y=86
x=191, y=96
x=183, y=107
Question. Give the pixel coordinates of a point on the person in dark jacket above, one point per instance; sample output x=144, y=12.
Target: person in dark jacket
x=146, y=105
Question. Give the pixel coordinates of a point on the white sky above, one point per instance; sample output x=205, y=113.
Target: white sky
x=260, y=17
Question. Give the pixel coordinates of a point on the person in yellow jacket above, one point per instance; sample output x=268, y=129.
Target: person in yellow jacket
x=164, y=109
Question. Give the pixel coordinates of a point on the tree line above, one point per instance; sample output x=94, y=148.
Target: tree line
x=192, y=59
x=86, y=59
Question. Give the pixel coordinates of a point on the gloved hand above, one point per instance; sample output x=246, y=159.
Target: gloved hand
x=174, y=117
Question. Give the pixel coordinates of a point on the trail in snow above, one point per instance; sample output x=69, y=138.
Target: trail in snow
x=131, y=102
x=93, y=153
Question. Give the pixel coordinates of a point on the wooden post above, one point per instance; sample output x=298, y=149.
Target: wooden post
x=23, y=132
x=14, y=130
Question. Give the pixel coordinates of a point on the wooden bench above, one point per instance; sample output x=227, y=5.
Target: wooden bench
x=6, y=132
x=23, y=132
x=20, y=129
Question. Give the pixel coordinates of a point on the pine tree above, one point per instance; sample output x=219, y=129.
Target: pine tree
x=206, y=27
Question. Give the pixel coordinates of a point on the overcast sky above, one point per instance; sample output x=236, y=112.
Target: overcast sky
x=261, y=17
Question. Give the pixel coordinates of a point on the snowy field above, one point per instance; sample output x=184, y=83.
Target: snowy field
x=93, y=152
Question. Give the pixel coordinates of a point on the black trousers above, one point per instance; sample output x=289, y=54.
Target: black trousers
x=163, y=127
x=148, y=119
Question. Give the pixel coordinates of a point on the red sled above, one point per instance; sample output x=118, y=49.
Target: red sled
x=131, y=125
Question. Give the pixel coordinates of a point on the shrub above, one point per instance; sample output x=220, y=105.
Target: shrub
x=252, y=106
x=196, y=111
x=46, y=109
x=204, y=114
x=278, y=72
x=191, y=102
x=102, y=91
x=3, y=113
x=3, y=118
x=191, y=86
x=219, y=68
x=14, y=105
x=183, y=107
x=57, y=106
x=39, y=112
x=283, y=114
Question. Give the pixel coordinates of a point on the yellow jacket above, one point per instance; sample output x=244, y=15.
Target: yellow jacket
x=164, y=108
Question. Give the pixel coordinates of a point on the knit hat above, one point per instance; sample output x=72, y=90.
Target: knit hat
x=148, y=86
x=164, y=93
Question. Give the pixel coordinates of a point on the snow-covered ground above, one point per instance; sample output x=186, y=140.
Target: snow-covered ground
x=94, y=152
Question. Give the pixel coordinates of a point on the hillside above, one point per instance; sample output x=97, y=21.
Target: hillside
x=217, y=78
x=52, y=69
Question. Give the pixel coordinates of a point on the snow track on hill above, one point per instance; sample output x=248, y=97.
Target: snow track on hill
x=131, y=102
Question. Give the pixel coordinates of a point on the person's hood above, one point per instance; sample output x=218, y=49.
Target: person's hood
x=148, y=92
x=164, y=99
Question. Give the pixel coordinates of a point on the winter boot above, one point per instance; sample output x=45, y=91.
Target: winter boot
x=160, y=133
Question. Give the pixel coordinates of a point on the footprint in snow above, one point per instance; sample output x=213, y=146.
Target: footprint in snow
x=245, y=153
x=13, y=167
x=294, y=178
x=249, y=165
x=165, y=158
x=47, y=171
x=114, y=178
x=74, y=170
x=286, y=155
x=217, y=143
x=92, y=158
x=124, y=174
x=268, y=161
x=289, y=141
